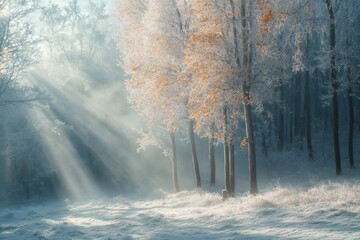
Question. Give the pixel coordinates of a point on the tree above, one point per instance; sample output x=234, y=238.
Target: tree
x=349, y=68
x=214, y=94
x=333, y=77
x=158, y=86
x=246, y=86
x=18, y=52
x=18, y=45
x=222, y=60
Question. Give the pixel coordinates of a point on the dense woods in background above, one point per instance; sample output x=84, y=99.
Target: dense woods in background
x=58, y=72
x=237, y=72
x=265, y=77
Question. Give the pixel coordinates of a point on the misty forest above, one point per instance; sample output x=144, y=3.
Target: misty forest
x=179, y=119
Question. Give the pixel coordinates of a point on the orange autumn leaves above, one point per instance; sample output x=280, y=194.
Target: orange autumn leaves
x=265, y=18
x=205, y=59
x=185, y=60
x=268, y=19
x=216, y=78
x=269, y=16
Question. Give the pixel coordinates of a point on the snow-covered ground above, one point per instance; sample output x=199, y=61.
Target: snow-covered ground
x=328, y=210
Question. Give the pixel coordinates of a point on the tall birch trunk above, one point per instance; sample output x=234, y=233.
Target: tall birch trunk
x=232, y=168
x=174, y=163
x=193, y=152
x=226, y=158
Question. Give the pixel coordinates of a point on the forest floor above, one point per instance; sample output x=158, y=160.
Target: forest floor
x=324, y=210
x=298, y=199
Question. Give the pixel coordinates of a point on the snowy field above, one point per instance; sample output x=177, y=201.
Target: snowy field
x=329, y=210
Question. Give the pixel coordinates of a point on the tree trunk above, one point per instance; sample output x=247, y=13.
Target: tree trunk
x=251, y=143
x=351, y=120
x=227, y=168
x=212, y=161
x=194, y=155
x=174, y=162
x=298, y=115
x=308, y=116
x=232, y=168
x=334, y=88
x=247, y=100
x=226, y=160
x=350, y=92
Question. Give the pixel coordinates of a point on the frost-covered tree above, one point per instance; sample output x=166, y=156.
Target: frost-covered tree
x=349, y=59
x=18, y=45
x=267, y=57
x=18, y=52
x=154, y=66
x=214, y=93
x=334, y=84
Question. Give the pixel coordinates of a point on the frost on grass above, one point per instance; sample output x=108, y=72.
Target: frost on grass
x=329, y=210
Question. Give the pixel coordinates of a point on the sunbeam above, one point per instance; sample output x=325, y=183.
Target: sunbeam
x=72, y=172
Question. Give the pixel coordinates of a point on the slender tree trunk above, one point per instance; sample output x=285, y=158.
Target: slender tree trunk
x=351, y=120
x=227, y=190
x=174, y=163
x=226, y=160
x=251, y=143
x=232, y=168
x=212, y=161
x=299, y=123
x=194, y=155
x=334, y=87
x=307, y=108
x=350, y=92
x=308, y=116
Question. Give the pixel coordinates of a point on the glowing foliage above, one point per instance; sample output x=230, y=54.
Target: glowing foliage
x=182, y=59
x=212, y=65
x=153, y=42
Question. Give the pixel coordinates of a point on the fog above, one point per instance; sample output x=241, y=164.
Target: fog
x=179, y=119
x=69, y=131
x=76, y=136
